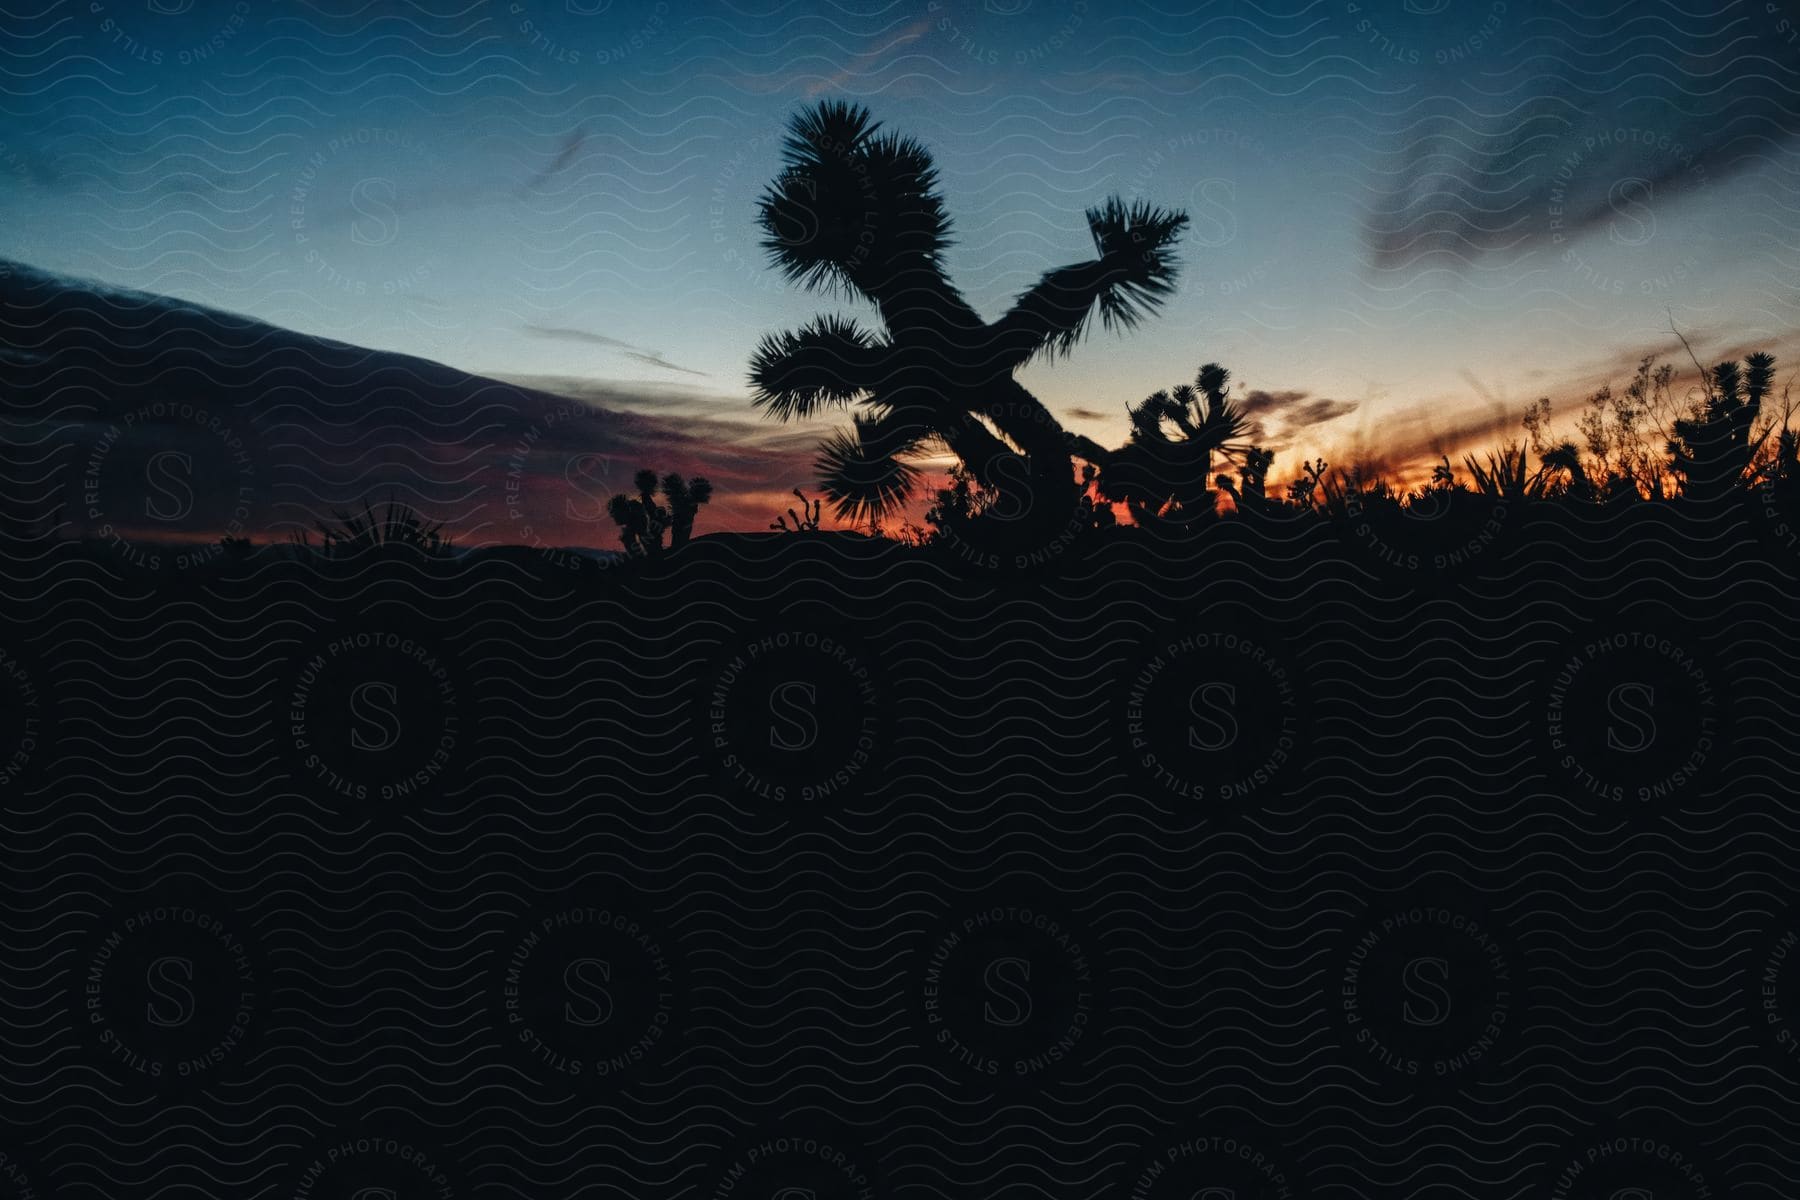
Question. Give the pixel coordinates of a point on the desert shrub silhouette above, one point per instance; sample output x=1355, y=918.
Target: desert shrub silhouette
x=803, y=520
x=1164, y=474
x=1780, y=475
x=1506, y=474
x=1711, y=451
x=643, y=522
x=398, y=527
x=858, y=211
x=963, y=503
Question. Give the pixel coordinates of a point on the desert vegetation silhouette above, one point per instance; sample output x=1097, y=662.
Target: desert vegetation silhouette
x=1726, y=439
x=804, y=519
x=644, y=522
x=397, y=528
x=1164, y=473
x=857, y=210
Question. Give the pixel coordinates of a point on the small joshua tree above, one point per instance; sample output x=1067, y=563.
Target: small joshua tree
x=1250, y=492
x=1306, y=491
x=1564, y=460
x=1712, y=451
x=1166, y=469
x=642, y=521
x=685, y=499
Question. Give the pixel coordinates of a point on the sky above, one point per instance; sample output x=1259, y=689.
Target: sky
x=1410, y=218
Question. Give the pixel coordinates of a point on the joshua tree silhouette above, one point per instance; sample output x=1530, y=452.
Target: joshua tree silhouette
x=858, y=210
x=685, y=499
x=642, y=521
x=1564, y=457
x=1781, y=474
x=1711, y=451
x=1166, y=469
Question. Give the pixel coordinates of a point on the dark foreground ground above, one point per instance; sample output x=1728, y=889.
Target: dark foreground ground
x=816, y=868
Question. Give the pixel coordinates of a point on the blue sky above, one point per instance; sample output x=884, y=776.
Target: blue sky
x=1409, y=217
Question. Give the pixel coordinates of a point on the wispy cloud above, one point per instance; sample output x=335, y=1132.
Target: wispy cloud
x=652, y=358
x=1258, y=403
x=586, y=337
x=1317, y=412
x=571, y=147
x=1295, y=409
x=1577, y=142
x=872, y=58
x=877, y=55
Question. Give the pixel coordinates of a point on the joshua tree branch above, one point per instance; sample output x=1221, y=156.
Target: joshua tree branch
x=865, y=474
x=1134, y=272
x=830, y=361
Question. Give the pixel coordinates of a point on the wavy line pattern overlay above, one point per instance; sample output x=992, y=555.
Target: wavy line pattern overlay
x=1280, y=863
